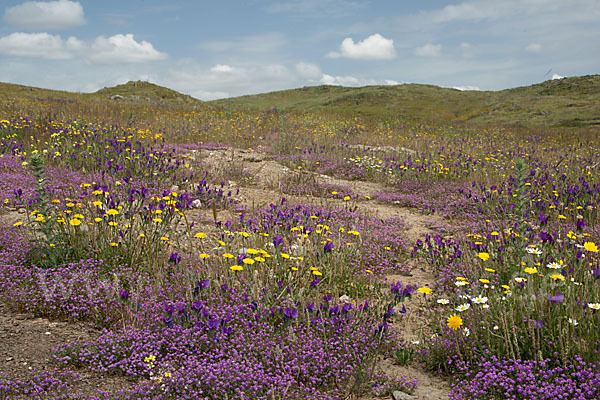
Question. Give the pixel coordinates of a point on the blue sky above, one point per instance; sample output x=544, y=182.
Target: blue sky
x=212, y=49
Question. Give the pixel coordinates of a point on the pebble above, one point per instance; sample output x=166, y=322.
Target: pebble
x=398, y=395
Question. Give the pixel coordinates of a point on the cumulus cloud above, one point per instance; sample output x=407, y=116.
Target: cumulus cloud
x=308, y=70
x=375, y=47
x=557, y=76
x=124, y=49
x=429, y=50
x=51, y=15
x=466, y=87
x=534, y=48
x=222, y=68
x=390, y=82
x=117, y=49
x=40, y=45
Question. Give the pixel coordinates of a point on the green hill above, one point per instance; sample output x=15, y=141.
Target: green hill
x=569, y=102
x=132, y=91
x=146, y=91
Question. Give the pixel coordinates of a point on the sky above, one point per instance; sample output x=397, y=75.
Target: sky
x=218, y=49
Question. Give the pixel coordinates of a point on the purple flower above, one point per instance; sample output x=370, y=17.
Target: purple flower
x=546, y=237
x=396, y=287
x=123, y=294
x=277, y=240
x=388, y=313
x=174, y=258
x=408, y=291
x=213, y=323
x=328, y=247
x=290, y=313
x=557, y=298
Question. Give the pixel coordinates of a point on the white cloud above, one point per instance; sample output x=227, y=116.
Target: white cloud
x=429, y=50
x=37, y=15
x=534, y=48
x=556, y=76
x=466, y=87
x=39, y=45
x=390, y=82
x=375, y=47
x=117, y=49
x=123, y=49
x=345, y=80
x=308, y=70
x=222, y=68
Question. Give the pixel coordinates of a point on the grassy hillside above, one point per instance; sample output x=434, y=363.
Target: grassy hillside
x=140, y=90
x=132, y=91
x=568, y=102
x=571, y=102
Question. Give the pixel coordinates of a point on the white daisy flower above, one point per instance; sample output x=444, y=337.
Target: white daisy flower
x=554, y=265
x=479, y=300
x=443, y=301
x=464, y=307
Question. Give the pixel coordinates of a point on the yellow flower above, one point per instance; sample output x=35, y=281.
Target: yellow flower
x=228, y=255
x=113, y=244
x=484, y=281
x=98, y=219
x=454, y=322
x=75, y=222
x=424, y=290
x=18, y=223
x=200, y=235
x=531, y=271
x=164, y=238
x=248, y=261
x=317, y=273
x=557, y=277
x=204, y=256
x=112, y=211
x=284, y=255
x=97, y=203
x=157, y=219
x=490, y=270
x=590, y=246
x=483, y=256
x=369, y=271
x=150, y=358
x=236, y=268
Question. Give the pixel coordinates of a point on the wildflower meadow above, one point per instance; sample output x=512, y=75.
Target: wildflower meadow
x=203, y=253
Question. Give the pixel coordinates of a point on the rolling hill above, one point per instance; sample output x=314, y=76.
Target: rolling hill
x=567, y=102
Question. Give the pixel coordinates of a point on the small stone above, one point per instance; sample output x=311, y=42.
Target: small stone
x=398, y=395
x=22, y=210
x=48, y=333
